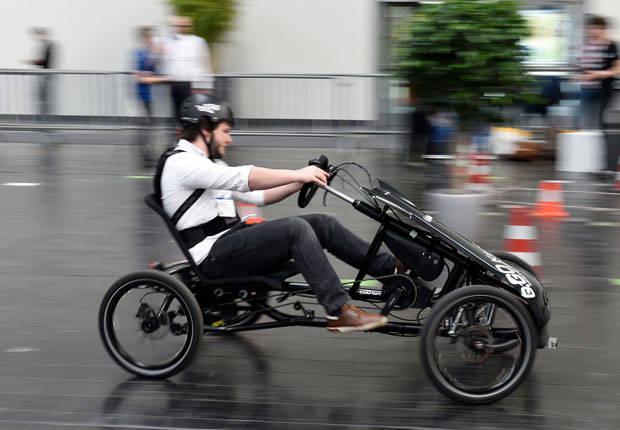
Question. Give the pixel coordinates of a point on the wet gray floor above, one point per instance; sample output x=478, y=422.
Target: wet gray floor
x=67, y=239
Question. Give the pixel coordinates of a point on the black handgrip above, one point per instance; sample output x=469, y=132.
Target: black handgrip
x=306, y=193
x=309, y=189
x=323, y=162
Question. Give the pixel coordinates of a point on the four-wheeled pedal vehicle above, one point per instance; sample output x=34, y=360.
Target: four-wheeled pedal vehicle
x=486, y=313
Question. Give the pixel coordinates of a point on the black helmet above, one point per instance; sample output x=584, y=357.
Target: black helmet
x=198, y=105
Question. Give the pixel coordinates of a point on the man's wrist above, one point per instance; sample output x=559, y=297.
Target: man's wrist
x=297, y=176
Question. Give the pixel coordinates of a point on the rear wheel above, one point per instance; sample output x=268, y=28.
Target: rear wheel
x=478, y=344
x=150, y=324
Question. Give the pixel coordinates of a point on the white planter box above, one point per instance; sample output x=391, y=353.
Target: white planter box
x=580, y=151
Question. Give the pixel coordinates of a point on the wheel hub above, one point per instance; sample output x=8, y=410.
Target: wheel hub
x=475, y=344
x=154, y=327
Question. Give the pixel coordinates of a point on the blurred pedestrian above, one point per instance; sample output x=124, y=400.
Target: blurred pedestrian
x=45, y=61
x=599, y=65
x=145, y=73
x=187, y=60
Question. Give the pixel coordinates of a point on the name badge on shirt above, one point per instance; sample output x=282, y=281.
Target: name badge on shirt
x=226, y=207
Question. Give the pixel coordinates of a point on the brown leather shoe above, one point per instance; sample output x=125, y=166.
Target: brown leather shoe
x=355, y=319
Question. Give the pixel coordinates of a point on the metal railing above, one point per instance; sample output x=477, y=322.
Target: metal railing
x=267, y=104
x=264, y=104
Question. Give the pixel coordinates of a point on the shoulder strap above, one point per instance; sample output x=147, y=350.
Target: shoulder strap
x=186, y=205
x=160, y=168
x=157, y=185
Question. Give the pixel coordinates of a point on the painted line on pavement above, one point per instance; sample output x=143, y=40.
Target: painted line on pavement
x=508, y=206
x=604, y=224
x=602, y=209
x=138, y=177
x=564, y=191
x=571, y=219
x=22, y=184
x=587, y=208
x=22, y=349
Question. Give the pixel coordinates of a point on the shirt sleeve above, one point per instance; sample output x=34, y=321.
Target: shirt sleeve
x=194, y=173
x=205, y=69
x=256, y=198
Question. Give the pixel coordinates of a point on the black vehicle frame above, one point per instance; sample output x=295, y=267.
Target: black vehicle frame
x=491, y=307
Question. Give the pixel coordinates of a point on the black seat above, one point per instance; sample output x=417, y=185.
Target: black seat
x=273, y=279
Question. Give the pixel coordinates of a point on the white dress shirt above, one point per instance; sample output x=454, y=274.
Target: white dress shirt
x=187, y=59
x=190, y=170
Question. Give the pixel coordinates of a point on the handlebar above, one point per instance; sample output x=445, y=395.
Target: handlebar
x=309, y=189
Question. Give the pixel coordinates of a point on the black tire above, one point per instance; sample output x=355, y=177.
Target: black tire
x=519, y=262
x=478, y=359
x=180, y=324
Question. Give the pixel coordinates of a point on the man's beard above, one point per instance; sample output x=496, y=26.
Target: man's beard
x=216, y=153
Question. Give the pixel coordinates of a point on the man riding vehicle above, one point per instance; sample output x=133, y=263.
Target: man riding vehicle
x=198, y=190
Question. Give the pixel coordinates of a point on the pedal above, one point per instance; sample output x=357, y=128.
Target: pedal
x=392, y=300
x=552, y=343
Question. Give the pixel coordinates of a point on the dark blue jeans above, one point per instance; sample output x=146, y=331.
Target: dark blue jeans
x=593, y=103
x=259, y=248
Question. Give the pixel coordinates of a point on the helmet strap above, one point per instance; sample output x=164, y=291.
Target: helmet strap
x=208, y=143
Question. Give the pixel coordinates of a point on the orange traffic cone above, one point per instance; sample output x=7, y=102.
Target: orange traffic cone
x=521, y=237
x=252, y=214
x=479, y=171
x=550, y=200
x=460, y=164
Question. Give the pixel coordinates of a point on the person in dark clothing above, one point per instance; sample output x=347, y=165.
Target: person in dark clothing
x=44, y=61
x=599, y=66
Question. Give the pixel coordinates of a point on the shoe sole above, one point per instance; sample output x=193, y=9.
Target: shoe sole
x=365, y=327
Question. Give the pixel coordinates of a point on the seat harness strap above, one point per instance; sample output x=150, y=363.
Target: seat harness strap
x=192, y=235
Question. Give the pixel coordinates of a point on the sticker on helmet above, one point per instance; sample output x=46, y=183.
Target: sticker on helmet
x=208, y=107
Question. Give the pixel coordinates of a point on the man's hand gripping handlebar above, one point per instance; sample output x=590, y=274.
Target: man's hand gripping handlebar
x=319, y=174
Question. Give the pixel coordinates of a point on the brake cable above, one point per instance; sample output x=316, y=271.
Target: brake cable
x=357, y=186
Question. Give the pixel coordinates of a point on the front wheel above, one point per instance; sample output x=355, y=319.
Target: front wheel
x=520, y=264
x=478, y=344
x=150, y=324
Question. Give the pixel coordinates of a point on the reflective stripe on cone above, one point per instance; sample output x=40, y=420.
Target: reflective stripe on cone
x=521, y=237
x=479, y=171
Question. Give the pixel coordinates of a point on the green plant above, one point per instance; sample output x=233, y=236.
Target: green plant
x=464, y=56
x=212, y=18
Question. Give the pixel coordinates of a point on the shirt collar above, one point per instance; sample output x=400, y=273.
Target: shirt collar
x=185, y=145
